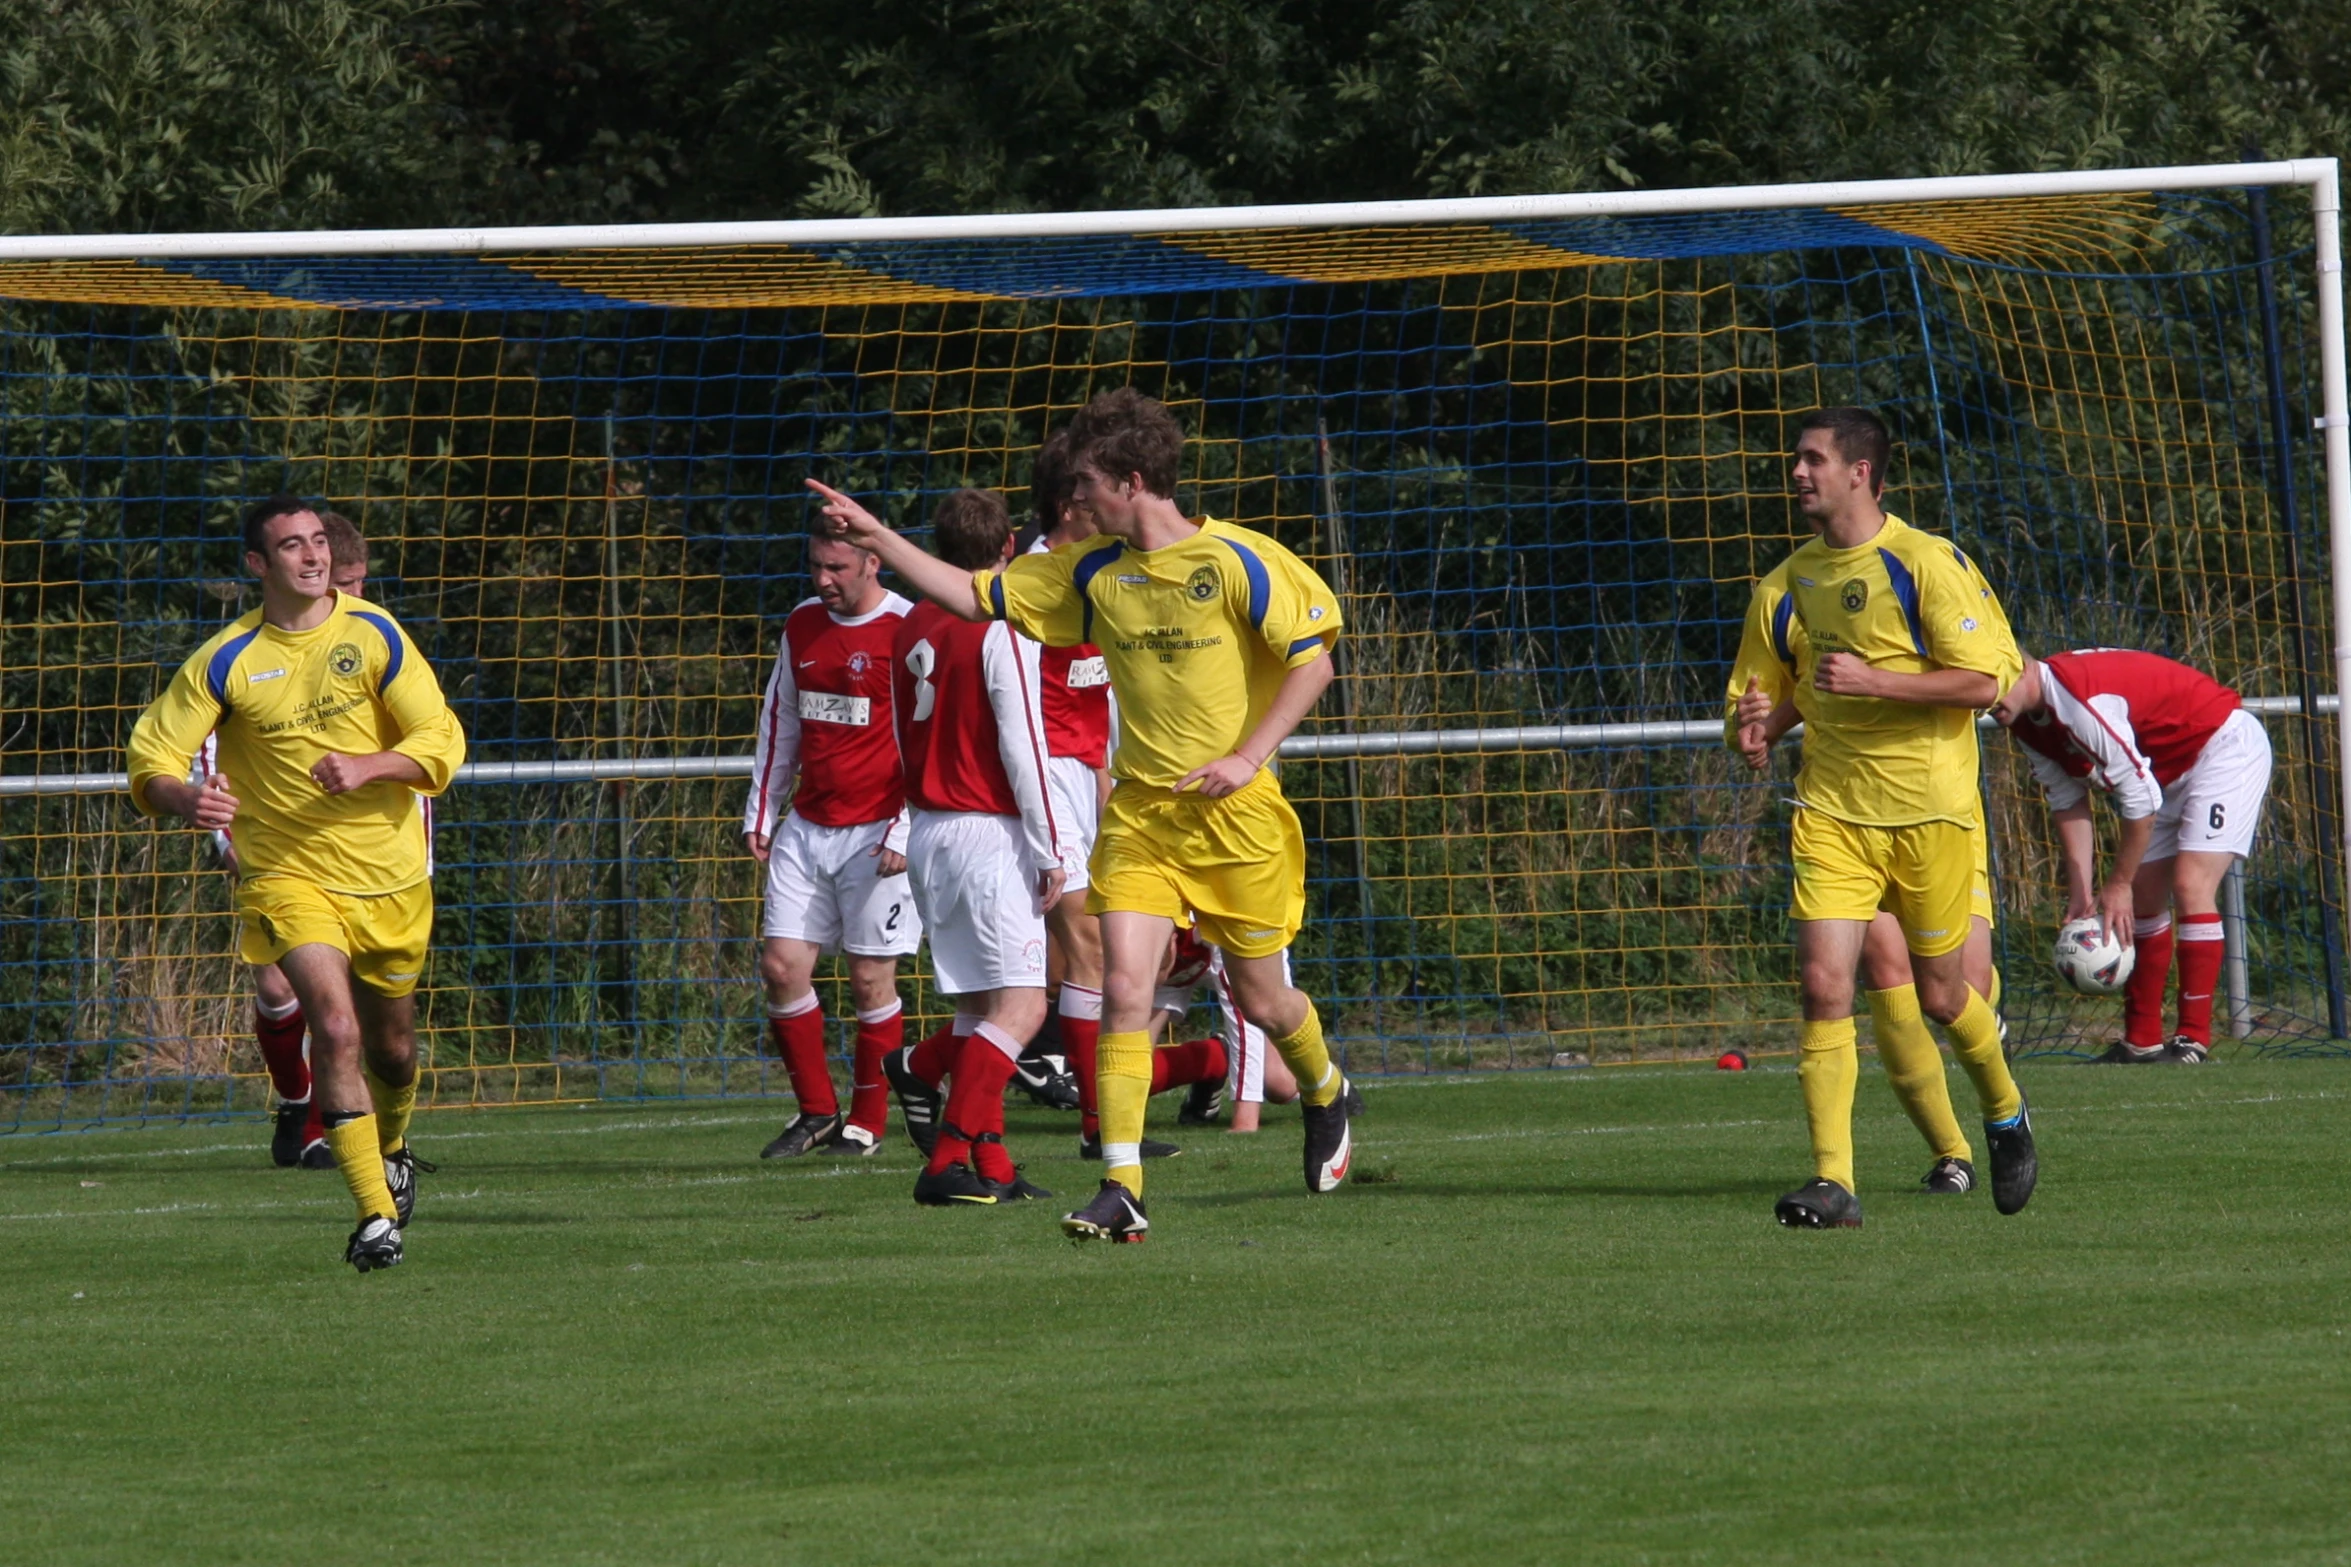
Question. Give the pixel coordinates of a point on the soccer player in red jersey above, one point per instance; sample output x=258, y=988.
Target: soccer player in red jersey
x=984, y=856
x=2186, y=768
x=299, y=1135
x=836, y=859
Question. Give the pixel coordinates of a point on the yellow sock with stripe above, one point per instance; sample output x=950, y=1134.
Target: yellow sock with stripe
x=1827, y=1072
x=1122, y=1075
x=361, y=1159
x=1309, y=1059
x=1914, y=1069
x=1975, y=1040
x=393, y=1108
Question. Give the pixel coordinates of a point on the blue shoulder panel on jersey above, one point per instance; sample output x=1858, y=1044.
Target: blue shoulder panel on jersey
x=1906, y=594
x=216, y=673
x=996, y=597
x=1303, y=643
x=1082, y=578
x=1782, y=613
x=1260, y=585
x=392, y=640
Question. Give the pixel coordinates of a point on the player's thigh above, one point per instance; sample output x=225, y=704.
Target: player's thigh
x=270, y=988
x=1932, y=868
x=1842, y=869
x=1260, y=987
x=387, y=1032
x=876, y=913
x=1079, y=936
x=1885, y=957
x=2196, y=879
x=321, y=976
x=1827, y=951
x=2220, y=799
x=1133, y=942
x=1076, y=801
x=799, y=904
x=1244, y=876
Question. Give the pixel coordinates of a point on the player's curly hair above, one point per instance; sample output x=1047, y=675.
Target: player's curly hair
x=969, y=529
x=1123, y=432
x=1860, y=436
x=1049, y=480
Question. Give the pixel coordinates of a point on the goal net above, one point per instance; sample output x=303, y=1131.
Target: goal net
x=1539, y=446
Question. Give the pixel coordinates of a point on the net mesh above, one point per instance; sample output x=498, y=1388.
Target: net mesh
x=1543, y=463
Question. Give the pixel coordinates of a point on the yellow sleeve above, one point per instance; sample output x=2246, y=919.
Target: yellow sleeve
x=1767, y=654
x=166, y=738
x=1038, y=595
x=1302, y=613
x=1963, y=623
x=430, y=735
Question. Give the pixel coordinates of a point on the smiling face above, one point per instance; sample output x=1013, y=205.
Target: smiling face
x=294, y=559
x=1111, y=503
x=1825, y=483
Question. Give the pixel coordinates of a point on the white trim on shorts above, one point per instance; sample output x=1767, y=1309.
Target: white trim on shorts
x=2231, y=778
x=978, y=899
x=824, y=887
x=1077, y=815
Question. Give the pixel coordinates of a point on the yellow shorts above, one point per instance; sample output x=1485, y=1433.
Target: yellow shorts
x=1234, y=869
x=383, y=934
x=1924, y=875
x=1979, y=898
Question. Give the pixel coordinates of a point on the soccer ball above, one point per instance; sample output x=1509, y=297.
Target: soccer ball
x=2092, y=963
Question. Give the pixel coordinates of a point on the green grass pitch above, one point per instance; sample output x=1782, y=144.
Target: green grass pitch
x=1554, y=1322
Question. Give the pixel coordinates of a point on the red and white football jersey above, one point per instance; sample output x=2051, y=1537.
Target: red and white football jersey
x=827, y=718
x=2126, y=723
x=1076, y=700
x=970, y=727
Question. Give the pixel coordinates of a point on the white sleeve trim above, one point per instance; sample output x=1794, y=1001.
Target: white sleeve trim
x=1014, y=677
x=2102, y=727
x=775, y=757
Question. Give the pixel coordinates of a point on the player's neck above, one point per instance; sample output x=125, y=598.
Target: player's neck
x=1853, y=527
x=1156, y=523
x=859, y=610
x=291, y=611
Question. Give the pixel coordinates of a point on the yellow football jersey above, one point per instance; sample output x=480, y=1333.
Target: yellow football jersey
x=1906, y=601
x=1196, y=635
x=353, y=684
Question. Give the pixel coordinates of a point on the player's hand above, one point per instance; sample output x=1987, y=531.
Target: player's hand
x=1049, y=885
x=339, y=774
x=892, y=863
x=757, y=843
x=214, y=806
x=2115, y=913
x=228, y=861
x=1842, y=674
x=849, y=520
x=1755, y=704
x=1226, y=775
x=1755, y=744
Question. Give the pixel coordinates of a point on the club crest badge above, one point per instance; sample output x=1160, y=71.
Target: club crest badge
x=1203, y=585
x=1853, y=595
x=857, y=663
x=343, y=659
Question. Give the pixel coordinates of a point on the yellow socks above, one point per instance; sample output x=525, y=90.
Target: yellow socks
x=1827, y=1073
x=361, y=1159
x=1975, y=1040
x=393, y=1108
x=1319, y=1081
x=1914, y=1068
x=1123, y=1087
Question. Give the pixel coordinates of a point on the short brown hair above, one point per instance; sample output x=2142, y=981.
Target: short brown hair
x=345, y=543
x=1860, y=436
x=1123, y=432
x=1049, y=480
x=969, y=529
x=262, y=513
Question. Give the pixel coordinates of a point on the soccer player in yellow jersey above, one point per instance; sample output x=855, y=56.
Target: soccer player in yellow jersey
x=1217, y=642
x=1901, y=651
x=1771, y=652
x=330, y=725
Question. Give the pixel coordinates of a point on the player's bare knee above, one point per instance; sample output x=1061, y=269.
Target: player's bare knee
x=1828, y=989
x=1019, y=1011
x=1942, y=997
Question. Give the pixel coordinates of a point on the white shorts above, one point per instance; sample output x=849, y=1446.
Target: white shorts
x=2214, y=806
x=824, y=886
x=978, y=900
x=1077, y=815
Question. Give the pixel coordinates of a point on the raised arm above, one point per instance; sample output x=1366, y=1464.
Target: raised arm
x=949, y=587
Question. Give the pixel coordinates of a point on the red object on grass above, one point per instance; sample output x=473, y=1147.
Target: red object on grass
x=1731, y=1061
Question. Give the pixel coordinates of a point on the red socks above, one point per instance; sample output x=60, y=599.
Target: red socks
x=2200, y=953
x=2142, y=993
x=798, y=1029
x=1194, y=1061
x=280, y=1039
x=1081, y=1039
x=975, y=1101
x=878, y=1033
